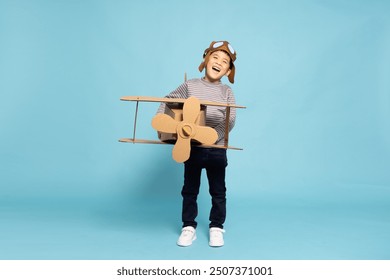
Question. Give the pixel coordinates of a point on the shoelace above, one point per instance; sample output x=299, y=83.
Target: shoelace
x=187, y=231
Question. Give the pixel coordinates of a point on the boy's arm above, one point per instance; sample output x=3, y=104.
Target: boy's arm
x=220, y=128
x=180, y=92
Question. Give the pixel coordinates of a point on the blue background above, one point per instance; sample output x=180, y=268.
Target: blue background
x=312, y=182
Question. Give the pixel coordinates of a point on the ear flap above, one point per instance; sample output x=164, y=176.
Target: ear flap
x=231, y=74
x=201, y=66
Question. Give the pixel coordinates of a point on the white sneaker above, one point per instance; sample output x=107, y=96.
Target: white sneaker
x=216, y=237
x=188, y=234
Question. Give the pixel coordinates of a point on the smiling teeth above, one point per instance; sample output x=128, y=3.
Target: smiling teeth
x=216, y=69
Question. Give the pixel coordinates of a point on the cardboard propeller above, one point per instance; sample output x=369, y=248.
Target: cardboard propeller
x=186, y=130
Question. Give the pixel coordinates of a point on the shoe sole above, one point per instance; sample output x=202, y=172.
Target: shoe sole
x=216, y=245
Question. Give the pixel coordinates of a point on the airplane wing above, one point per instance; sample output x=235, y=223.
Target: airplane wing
x=144, y=141
x=176, y=100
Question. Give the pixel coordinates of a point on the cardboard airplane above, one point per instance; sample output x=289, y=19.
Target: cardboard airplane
x=182, y=124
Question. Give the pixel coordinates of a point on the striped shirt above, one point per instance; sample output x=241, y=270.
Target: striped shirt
x=215, y=92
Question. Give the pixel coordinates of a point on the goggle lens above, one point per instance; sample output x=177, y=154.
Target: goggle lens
x=217, y=45
x=231, y=49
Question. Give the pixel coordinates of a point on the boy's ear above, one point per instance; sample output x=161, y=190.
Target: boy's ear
x=228, y=72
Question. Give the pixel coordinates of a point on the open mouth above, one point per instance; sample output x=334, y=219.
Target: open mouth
x=216, y=69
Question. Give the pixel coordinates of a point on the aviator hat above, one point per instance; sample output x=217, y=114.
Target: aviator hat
x=220, y=46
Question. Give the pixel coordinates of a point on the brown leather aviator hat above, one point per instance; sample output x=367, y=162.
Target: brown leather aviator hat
x=220, y=46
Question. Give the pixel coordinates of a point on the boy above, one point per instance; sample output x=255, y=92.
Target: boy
x=218, y=61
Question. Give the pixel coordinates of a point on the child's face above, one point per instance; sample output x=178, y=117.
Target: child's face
x=217, y=66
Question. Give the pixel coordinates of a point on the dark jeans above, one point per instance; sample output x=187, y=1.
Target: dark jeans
x=214, y=161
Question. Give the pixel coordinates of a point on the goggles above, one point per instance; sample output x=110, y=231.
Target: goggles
x=216, y=45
